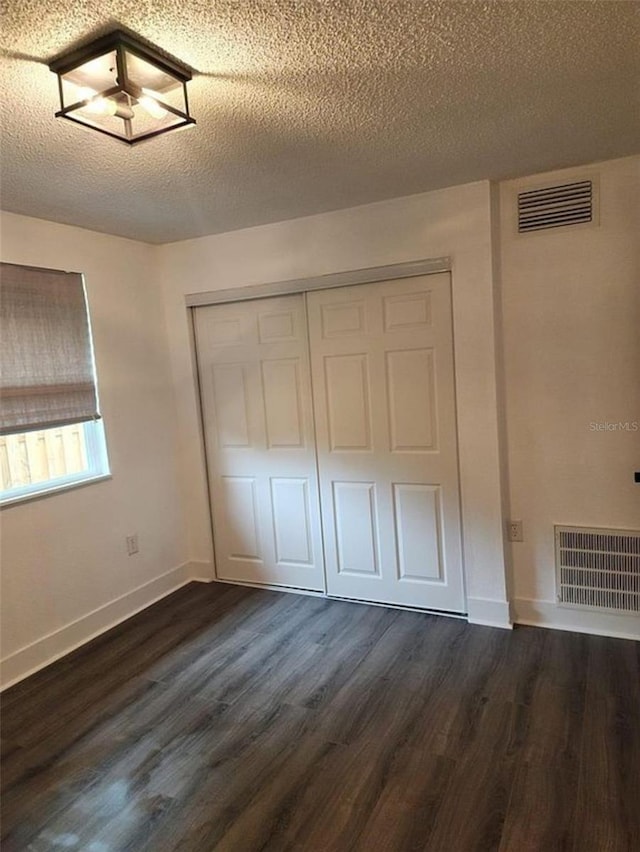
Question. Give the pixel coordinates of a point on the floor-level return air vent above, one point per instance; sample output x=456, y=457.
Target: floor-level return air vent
x=598, y=568
x=555, y=206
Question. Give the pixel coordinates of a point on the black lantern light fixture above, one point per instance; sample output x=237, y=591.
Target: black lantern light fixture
x=124, y=88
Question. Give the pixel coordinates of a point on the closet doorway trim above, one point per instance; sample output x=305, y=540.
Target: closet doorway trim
x=320, y=282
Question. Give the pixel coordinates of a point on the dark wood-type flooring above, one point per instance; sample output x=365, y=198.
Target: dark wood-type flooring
x=226, y=718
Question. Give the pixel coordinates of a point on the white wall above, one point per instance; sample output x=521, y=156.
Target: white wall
x=564, y=337
x=65, y=571
x=571, y=314
x=454, y=222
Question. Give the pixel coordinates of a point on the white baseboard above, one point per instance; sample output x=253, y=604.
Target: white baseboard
x=491, y=613
x=200, y=571
x=549, y=614
x=54, y=645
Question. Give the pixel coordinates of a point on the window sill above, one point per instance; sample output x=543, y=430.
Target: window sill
x=6, y=502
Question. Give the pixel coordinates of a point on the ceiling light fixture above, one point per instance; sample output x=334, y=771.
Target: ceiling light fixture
x=124, y=88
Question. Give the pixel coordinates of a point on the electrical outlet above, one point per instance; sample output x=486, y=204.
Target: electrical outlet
x=132, y=544
x=514, y=531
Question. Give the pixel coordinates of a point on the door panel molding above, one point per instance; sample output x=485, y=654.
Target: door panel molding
x=388, y=458
x=389, y=339
x=257, y=419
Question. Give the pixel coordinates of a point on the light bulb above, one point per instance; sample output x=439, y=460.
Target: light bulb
x=148, y=102
x=108, y=106
x=123, y=110
x=98, y=106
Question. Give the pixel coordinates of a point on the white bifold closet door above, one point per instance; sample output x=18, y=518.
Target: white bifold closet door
x=253, y=360
x=372, y=449
x=383, y=380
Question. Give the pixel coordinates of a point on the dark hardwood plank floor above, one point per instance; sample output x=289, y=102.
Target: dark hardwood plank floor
x=226, y=718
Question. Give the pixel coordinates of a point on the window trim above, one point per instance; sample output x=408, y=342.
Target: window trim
x=98, y=470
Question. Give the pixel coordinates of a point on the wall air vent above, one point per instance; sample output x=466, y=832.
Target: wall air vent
x=556, y=206
x=598, y=569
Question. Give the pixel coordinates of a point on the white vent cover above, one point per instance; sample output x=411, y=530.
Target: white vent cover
x=555, y=206
x=598, y=568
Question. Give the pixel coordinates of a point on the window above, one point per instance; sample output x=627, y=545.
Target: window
x=51, y=435
x=51, y=459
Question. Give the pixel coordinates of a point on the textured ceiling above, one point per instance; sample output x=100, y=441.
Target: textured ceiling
x=314, y=105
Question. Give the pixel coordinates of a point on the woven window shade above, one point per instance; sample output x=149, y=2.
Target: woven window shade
x=47, y=376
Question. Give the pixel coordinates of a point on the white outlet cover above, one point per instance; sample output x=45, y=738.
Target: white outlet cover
x=515, y=531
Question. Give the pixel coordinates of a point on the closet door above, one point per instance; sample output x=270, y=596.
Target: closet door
x=383, y=380
x=258, y=423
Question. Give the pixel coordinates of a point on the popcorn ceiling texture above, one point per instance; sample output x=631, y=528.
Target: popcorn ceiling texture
x=309, y=106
